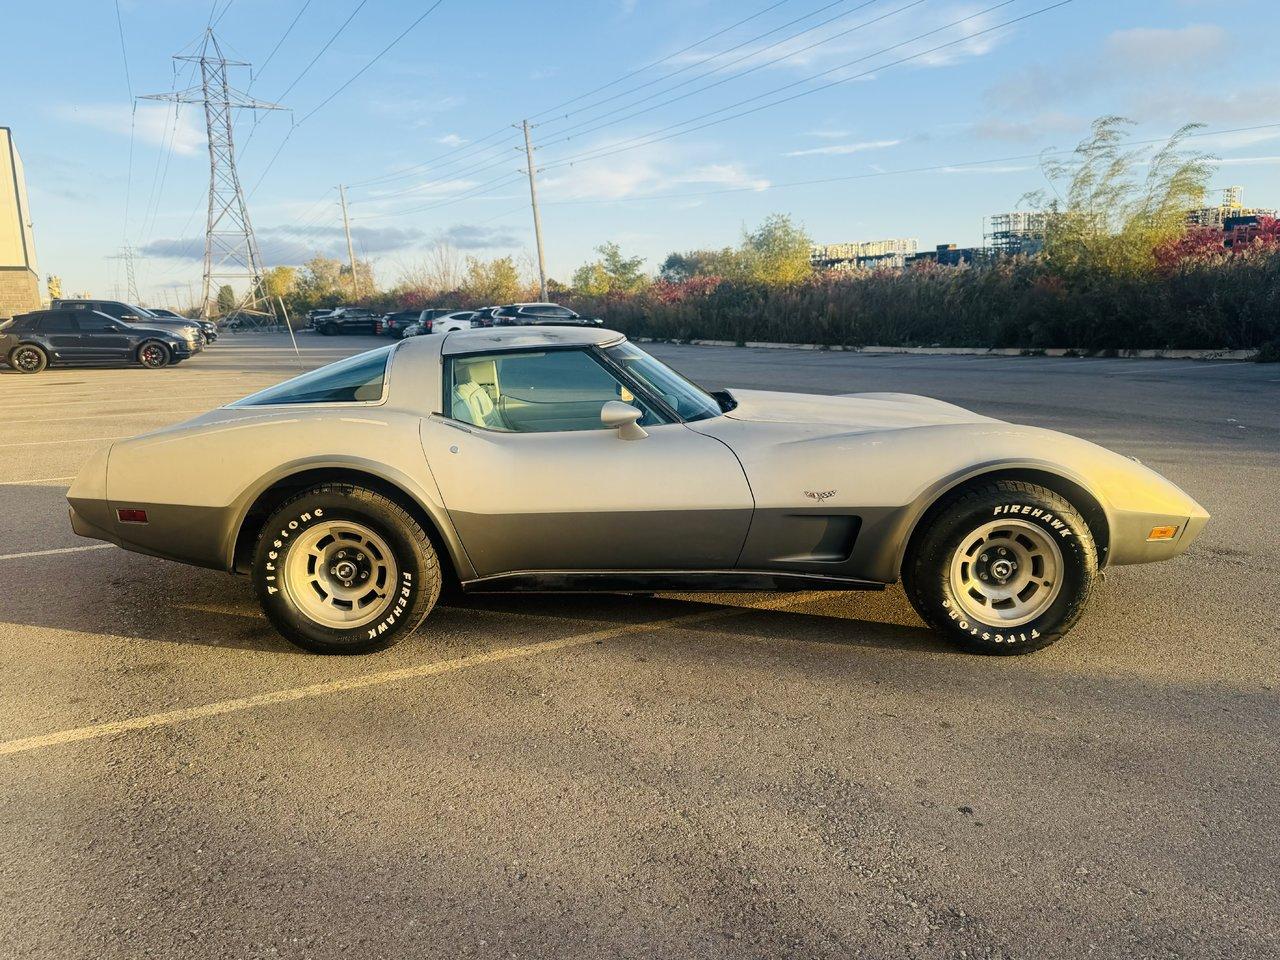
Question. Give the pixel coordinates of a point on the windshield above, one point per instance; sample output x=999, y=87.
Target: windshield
x=689, y=401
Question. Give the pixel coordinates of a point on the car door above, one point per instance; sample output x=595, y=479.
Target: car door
x=104, y=338
x=534, y=481
x=62, y=331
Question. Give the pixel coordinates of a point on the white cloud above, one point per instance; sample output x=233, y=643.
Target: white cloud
x=840, y=149
x=1249, y=161
x=451, y=140
x=643, y=171
x=1158, y=48
x=152, y=124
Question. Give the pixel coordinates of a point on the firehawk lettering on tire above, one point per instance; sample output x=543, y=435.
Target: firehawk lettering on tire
x=567, y=459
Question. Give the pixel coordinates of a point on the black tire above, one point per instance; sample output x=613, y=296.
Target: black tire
x=153, y=354
x=28, y=358
x=416, y=565
x=931, y=585
x=329, y=329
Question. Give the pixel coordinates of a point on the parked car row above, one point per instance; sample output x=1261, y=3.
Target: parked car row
x=79, y=332
x=412, y=323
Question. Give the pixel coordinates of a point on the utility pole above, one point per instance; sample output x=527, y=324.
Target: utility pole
x=537, y=220
x=230, y=249
x=351, y=250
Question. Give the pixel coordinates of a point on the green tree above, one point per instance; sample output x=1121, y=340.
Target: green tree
x=280, y=281
x=491, y=281
x=776, y=252
x=226, y=300
x=1114, y=206
x=679, y=267
x=611, y=273
x=319, y=282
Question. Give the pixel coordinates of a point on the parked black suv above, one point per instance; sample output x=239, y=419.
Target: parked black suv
x=395, y=324
x=207, y=327
x=540, y=315
x=347, y=320
x=32, y=341
x=133, y=314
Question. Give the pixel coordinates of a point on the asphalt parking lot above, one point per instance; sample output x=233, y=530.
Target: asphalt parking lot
x=677, y=776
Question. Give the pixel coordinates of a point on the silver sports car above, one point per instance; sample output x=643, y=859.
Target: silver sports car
x=564, y=459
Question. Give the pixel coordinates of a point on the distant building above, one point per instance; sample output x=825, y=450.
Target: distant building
x=19, y=276
x=1228, y=214
x=1020, y=233
x=948, y=255
x=867, y=255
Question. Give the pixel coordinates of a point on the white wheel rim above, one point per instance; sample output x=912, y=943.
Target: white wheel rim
x=1006, y=573
x=341, y=574
x=26, y=358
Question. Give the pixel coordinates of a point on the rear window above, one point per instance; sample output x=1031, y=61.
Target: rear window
x=358, y=379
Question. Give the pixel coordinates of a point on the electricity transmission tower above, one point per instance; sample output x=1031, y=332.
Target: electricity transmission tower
x=127, y=254
x=230, y=251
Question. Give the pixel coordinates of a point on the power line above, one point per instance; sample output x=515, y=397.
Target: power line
x=344, y=86
x=752, y=69
x=427, y=164
x=381, y=53
x=932, y=168
x=337, y=33
x=124, y=52
x=417, y=168
x=496, y=160
x=652, y=136
x=737, y=46
x=669, y=56
x=283, y=38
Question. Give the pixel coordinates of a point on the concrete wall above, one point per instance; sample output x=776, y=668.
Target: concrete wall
x=19, y=276
x=19, y=291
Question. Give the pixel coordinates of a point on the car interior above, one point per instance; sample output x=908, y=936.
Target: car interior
x=536, y=392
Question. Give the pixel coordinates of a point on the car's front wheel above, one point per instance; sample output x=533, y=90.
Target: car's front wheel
x=28, y=358
x=329, y=329
x=343, y=569
x=153, y=355
x=1004, y=568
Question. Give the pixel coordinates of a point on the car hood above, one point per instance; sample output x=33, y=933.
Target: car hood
x=856, y=412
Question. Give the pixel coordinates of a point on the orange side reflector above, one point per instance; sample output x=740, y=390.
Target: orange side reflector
x=1162, y=533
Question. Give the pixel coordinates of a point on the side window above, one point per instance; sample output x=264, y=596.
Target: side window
x=60, y=322
x=354, y=380
x=534, y=392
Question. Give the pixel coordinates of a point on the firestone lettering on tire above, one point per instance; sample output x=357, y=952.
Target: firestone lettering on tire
x=1036, y=513
x=996, y=637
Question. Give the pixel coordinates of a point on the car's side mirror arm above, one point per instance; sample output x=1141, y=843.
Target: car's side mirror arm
x=624, y=418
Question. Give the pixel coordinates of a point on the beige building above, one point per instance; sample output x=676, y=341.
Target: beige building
x=19, y=277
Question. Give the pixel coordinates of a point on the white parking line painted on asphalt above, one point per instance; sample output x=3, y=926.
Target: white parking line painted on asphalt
x=169, y=717
x=106, y=415
x=18, y=483
x=47, y=553
x=37, y=443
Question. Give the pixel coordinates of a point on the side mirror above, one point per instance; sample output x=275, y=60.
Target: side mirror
x=624, y=418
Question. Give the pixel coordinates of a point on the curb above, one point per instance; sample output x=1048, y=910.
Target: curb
x=1223, y=354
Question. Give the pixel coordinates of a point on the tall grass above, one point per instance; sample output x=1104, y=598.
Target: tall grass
x=1231, y=302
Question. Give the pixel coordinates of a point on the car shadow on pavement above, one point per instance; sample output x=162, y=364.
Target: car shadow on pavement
x=123, y=594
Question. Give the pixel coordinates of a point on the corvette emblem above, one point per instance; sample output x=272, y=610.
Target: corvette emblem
x=819, y=495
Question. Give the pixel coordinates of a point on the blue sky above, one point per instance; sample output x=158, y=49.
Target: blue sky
x=409, y=133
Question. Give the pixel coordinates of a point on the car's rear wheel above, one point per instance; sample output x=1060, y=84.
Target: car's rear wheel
x=28, y=358
x=342, y=569
x=1004, y=568
x=153, y=355
x=329, y=329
